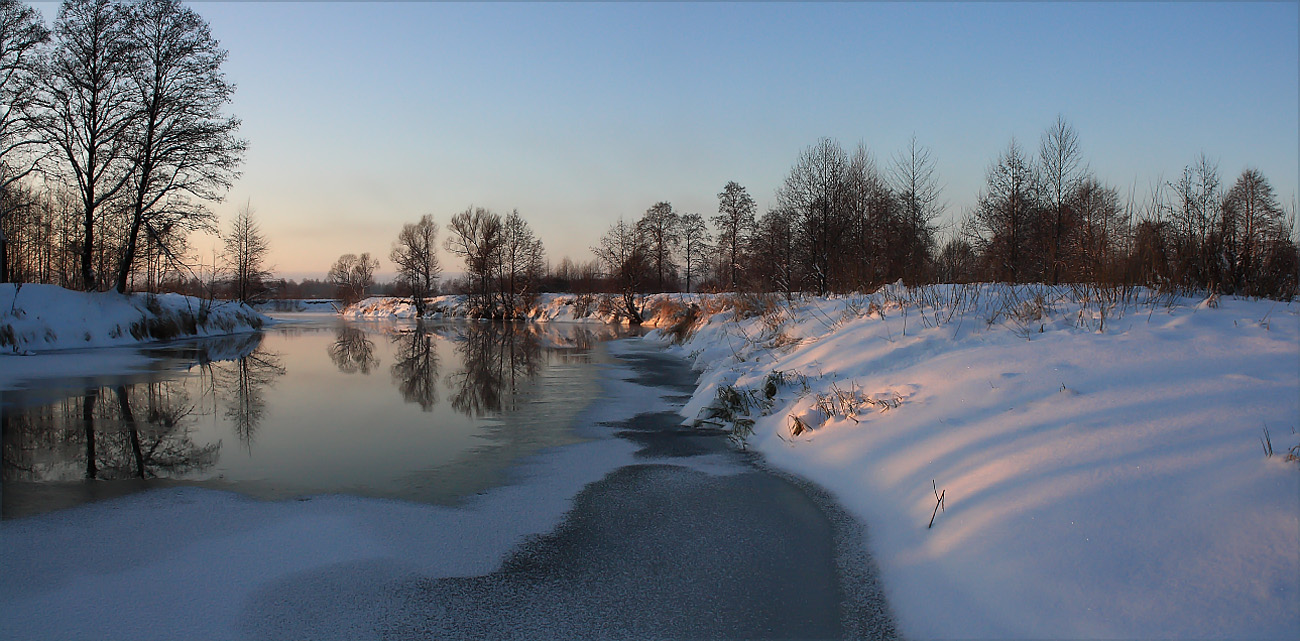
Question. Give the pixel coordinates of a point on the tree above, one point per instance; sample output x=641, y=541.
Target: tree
x=521, y=265
x=735, y=224
x=88, y=110
x=245, y=256
x=695, y=245
x=660, y=226
x=955, y=262
x=916, y=188
x=1062, y=171
x=1005, y=218
x=21, y=36
x=1101, y=225
x=775, y=262
x=415, y=255
x=351, y=275
x=1252, y=219
x=1195, y=221
x=814, y=195
x=872, y=244
x=180, y=146
x=475, y=236
x=623, y=253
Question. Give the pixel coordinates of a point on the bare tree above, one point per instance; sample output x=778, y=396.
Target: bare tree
x=660, y=226
x=351, y=275
x=181, y=147
x=916, y=187
x=415, y=255
x=775, y=266
x=475, y=236
x=1252, y=219
x=872, y=245
x=623, y=253
x=1102, y=224
x=1062, y=171
x=1195, y=221
x=735, y=223
x=814, y=194
x=21, y=36
x=521, y=265
x=1005, y=218
x=88, y=110
x=695, y=246
x=245, y=255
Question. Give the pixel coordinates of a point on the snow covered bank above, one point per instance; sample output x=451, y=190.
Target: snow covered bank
x=1095, y=484
x=47, y=317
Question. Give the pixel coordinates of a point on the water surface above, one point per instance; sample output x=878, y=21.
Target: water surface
x=431, y=412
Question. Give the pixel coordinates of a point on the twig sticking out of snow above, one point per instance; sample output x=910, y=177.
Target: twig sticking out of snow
x=938, y=502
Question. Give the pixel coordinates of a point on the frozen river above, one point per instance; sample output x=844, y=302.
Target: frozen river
x=515, y=480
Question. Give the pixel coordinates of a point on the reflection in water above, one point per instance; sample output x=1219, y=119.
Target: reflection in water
x=139, y=430
x=416, y=369
x=353, y=352
x=141, y=433
x=305, y=421
x=496, y=358
x=240, y=385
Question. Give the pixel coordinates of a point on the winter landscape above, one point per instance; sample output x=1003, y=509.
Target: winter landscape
x=780, y=390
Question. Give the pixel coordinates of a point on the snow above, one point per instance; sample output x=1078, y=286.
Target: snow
x=49, y=317
x=1096, y=483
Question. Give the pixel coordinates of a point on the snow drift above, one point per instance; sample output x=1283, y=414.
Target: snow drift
x=1100, y=453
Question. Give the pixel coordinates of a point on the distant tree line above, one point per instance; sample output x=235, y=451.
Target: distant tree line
x=112, y=141
x=840, y=223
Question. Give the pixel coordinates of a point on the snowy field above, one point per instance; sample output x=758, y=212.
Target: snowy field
x=1095, y=484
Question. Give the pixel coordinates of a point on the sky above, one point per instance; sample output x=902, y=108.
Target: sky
x=362, y=117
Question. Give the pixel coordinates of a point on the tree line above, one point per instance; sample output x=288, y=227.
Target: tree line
x=842, y=223
x=112, y=141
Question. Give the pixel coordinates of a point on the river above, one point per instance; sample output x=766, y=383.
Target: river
x=675, y=533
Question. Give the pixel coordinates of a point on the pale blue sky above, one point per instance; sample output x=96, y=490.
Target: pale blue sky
x=363, y=116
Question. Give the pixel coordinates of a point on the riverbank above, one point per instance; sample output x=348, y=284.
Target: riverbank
x=1100, y=459
x=42, y=318
x=658, y=309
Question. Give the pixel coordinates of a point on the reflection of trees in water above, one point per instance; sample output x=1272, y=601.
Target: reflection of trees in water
x=352, y=352
x=141, y=432
x=416, y=368
x=241, y=384
x=496, y=358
